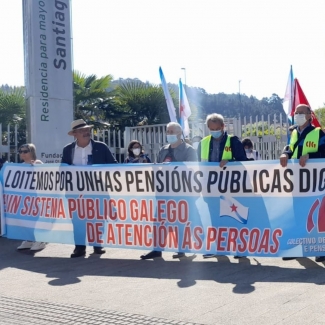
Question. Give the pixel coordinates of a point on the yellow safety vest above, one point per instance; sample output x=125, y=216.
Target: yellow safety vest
x=205, y=149
x=310, y=142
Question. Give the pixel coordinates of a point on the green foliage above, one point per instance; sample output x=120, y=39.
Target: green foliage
x=144, y=102
x=89, y=92
x=12, y=105
x=320, y=113
x=262, y=128
x=13, y=112
x=131, y=102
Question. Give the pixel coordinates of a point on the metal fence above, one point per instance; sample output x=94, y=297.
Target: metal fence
x=270, y=146
x=152, y=137
x=9, y=143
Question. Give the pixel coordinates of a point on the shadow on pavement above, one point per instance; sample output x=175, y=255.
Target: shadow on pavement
x=66, y=271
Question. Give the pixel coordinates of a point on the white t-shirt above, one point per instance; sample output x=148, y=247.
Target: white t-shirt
x=35, y=162
x=81, y=155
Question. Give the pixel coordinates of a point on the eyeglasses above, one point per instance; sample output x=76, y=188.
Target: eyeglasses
x=23, y=151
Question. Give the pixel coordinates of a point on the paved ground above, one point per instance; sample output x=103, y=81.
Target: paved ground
x=117, y=288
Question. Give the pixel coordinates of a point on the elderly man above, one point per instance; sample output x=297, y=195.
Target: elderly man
x=219, y=147
x=175, y=150
x=85, y=151
x=302, y=135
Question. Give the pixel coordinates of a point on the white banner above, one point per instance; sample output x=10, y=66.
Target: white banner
x=248, y=208
x=48, y=75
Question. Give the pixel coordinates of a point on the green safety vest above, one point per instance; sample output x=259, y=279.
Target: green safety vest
x=205, y=149
x=310, y=142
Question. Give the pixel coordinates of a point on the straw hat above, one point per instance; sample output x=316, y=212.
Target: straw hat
x=79, y=124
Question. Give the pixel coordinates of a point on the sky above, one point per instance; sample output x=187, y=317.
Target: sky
x=228, y=46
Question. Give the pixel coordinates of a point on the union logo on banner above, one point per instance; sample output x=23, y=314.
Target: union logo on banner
x=310, y=225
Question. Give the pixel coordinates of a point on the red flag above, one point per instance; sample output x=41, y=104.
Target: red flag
x=300, y=98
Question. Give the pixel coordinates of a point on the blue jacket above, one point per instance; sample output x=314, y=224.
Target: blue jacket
x=100, y=153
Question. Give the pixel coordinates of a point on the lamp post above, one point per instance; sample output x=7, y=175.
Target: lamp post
x=184, y=76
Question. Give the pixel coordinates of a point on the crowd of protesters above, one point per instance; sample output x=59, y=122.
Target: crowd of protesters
x=219, y=147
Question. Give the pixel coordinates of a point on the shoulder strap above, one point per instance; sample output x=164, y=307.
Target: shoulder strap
x=300, y=137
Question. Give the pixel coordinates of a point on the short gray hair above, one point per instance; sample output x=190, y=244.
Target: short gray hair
x=214, y=117
x=175, y=125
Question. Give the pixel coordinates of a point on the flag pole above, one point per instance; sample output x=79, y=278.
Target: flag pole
x=293, y=102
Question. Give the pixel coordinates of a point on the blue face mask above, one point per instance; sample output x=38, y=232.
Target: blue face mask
x=216, y=134
x=172, y=138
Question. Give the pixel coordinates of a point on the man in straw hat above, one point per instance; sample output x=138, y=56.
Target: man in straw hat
x=85, y=151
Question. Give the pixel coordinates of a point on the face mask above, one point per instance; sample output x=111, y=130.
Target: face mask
x=248, y=150
x=172, y=138
x=136, y=151
x=300, y=119
x=216, y=134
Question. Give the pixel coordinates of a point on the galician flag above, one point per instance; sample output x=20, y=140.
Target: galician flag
x=229, y=207
x=184, y=110
x=289, y=95
x=169, y=101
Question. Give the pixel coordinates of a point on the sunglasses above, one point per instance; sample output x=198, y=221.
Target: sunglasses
x=23, y=151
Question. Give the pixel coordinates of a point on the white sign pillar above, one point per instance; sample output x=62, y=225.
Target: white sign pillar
x=48, y=75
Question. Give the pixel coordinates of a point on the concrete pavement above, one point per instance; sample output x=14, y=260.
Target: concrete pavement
x=48, y=287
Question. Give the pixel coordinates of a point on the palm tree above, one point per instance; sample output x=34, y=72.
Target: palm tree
x=89, y=92
x=13, y=111
x=145, y=102
x=12, y=105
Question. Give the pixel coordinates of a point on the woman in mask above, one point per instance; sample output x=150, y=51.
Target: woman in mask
x=136, y=154
x=251, y=154
x=27, y=154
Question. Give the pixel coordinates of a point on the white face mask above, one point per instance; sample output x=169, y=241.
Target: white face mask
x=300, y=119
x=172, y=138
x=136, y=151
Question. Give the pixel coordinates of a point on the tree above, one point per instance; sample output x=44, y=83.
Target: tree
x=13, y=111
x=320, y=114
x=12, y=105
x=89, y=92
x=144, y=102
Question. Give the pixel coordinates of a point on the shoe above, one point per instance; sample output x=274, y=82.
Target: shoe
x=25, y=245
x=151, y=255
x=38, y=246
x=209, y=255
x=237, y=257
x=179, y=255
x=288, y=258
x=320, y=258
x=99, y=250
x=78, y=253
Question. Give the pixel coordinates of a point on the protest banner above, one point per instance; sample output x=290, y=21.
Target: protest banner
x=254, y=208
